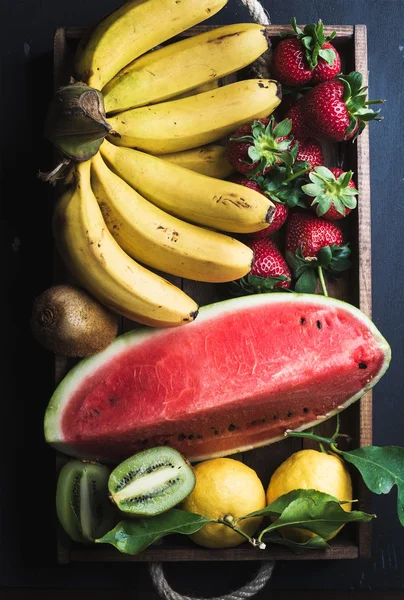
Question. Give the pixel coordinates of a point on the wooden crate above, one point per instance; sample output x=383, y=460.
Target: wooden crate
x=354, y=287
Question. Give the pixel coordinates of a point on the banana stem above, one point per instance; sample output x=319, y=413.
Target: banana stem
x=322, y=281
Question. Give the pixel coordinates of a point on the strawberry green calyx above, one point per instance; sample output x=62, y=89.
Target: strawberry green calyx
x=306, y=271
x=269, y=144
x=284, y=183
x=253, y=284
x=313, y=39
x=328, y=191
x=357, y=104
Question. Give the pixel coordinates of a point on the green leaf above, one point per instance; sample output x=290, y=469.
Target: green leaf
x=307, y=282
x=324, y=204
x=131, y=537
x=282, y=129
x=314, y=543
x=355, y=81
x=324, y=256
x=328, y=55
x=344, y=178
x=277, y=507
x=339, y=206
x=312, y=189
x=325, y=173
x=381, y=468
x=323, y=518
x=254, y=153
x=349, y=201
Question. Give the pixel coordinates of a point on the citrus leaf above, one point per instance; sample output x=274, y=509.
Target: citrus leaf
x=277, y=507
x=323, y=518
x=381, y=468
x=131, y=537
x=314, y=543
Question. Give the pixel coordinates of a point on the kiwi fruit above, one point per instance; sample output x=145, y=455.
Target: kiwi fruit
x=68, y=321
x=151, y=482
x=82, y=503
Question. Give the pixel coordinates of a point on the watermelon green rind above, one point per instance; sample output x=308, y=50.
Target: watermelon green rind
x=61, y=396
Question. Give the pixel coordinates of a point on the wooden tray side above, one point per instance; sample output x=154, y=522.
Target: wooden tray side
x=356, y=421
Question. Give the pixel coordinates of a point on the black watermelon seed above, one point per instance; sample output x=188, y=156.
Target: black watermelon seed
x=302, y=321
x=362, y=365
x=144, y=442
x=112, y=401
x=275, y=417
x=191, y=436
x=319, y=325
x=231, y=427
x=289, y=414
x=199, y=436
x=182, y=436
x=96, y=412
x=305, y=410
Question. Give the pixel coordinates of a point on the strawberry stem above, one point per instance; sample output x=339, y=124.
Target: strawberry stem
x=322, y=281
x=374, y=102
x=296, y=175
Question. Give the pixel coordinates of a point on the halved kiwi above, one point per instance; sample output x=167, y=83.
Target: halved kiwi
x=151, y=481
x=82, y=503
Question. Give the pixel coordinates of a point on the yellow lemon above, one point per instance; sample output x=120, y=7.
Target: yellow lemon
x=311, y=470
x=225, y=488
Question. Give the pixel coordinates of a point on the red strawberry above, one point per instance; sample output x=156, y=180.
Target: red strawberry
x=295, y=114
x=310, y=150
x=333, y=191
x=337, y=110
x=280, y=216
x=281, y=211
x=289, y=64
x=269, y=271
x=259, y=146
x=269, y=262
x=308, y=57
x=314, y=244
x=310, y=234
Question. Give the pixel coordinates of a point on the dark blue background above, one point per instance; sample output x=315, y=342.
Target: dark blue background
x=27, y=510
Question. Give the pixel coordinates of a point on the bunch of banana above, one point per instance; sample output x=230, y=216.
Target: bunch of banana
x=104, y=269
x=163, y=199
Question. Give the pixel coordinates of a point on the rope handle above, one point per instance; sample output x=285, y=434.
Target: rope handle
x=263, y=575
x=248, y=590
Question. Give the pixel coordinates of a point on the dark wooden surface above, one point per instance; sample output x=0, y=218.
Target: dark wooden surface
x=27, y=522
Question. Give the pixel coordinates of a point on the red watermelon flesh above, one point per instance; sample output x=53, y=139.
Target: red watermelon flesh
x=238, y=377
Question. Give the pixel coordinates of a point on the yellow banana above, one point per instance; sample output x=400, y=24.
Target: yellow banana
x=196, y=198
x=133, y=29
x=103, y=268
x=179, y=67
x=162, y=241
x=206, y=87
x=208, y=160
x=201, y=119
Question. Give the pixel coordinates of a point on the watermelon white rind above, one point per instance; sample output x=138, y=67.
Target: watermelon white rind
x=300, y=370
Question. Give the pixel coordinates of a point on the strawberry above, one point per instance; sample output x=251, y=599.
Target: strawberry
x=337, y=110
x=308, y=57
x=259, y=146
x=280, y=214
x=269, y=271
x=314, y=244
x=333, y=192
x=310, y=151
x=295, y=114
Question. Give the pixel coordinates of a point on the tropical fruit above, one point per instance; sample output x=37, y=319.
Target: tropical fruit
x=151, y=482
x=82, y=503
x=225, y=489
x=238, y=377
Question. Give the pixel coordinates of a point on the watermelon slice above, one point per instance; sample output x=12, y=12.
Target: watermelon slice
x=237, y=378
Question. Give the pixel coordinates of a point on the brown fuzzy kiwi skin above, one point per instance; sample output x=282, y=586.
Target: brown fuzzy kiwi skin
x=69, y=322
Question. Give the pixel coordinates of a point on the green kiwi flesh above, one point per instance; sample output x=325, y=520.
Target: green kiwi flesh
x=151, y=482
x=82, y=503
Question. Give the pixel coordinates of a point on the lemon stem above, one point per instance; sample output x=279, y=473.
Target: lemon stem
x=229, y=523
x=315, y=438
